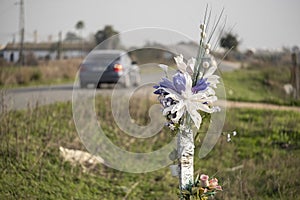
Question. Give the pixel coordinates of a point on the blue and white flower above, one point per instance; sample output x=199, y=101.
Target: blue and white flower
x=179, y=96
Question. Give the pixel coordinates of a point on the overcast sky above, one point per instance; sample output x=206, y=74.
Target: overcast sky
x=258, y=23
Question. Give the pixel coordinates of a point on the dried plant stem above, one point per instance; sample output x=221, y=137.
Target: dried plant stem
x=130, y=190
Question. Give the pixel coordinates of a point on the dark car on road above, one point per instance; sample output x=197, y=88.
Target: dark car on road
x=108, y=66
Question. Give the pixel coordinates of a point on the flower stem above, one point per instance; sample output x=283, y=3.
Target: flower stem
x=185, y=152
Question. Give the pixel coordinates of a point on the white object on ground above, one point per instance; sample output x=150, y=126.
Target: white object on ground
x=288, y=88
x=75, y=157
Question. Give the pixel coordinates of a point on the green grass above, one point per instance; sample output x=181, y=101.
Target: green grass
x=267, y=145
x=259, y=84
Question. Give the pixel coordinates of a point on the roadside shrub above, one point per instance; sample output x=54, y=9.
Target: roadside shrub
x=36, y=75
x=44, y=73
x=23, y=75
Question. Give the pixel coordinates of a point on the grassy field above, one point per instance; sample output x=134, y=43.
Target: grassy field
x=259, y=84
x=261, y=162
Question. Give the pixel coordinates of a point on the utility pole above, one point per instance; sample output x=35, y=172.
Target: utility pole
x=295, y=72
x=59, y=46
x=22, y=33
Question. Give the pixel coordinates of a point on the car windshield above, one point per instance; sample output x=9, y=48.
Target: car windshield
x=102, y=59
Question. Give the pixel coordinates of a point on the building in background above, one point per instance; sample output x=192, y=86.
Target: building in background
x=46, y=50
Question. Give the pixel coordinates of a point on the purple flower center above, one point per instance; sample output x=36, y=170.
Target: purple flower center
x=179, y=82
x=177, y=85
x=166, y=83
x=200, y=85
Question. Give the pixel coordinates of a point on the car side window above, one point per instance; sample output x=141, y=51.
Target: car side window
x=127, y=60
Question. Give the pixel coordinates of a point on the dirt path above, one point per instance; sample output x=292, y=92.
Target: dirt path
x=237, y=104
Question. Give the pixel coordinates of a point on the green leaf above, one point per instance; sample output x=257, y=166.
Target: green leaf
x=194, y=190
x=196, y=179
x=185, y=192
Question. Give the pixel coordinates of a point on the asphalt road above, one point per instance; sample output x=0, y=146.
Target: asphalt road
x=23, y=98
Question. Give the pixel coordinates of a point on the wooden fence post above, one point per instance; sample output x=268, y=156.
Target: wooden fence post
x=295, y=72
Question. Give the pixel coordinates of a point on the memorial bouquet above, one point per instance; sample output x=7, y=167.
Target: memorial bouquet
x=190, y=92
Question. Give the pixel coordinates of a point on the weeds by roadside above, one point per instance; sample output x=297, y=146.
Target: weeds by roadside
x=259, y=83
x=46, y=73
x=260, y=163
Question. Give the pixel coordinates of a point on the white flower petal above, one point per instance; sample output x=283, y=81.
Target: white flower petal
x=167, y=109
x=214, y=63
x=213, y=79
x=211, y=99
x=204, y=108
x=172, y=94
x=180, y=64
x=188, y=82
x=210, y=71
x=190, y=66
x=216, y=109
x=234, y=133
x=179, y=58
x=199, y=96
x=196, y=117
x=209, y=91
x=178, y=106
x=179, y=114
